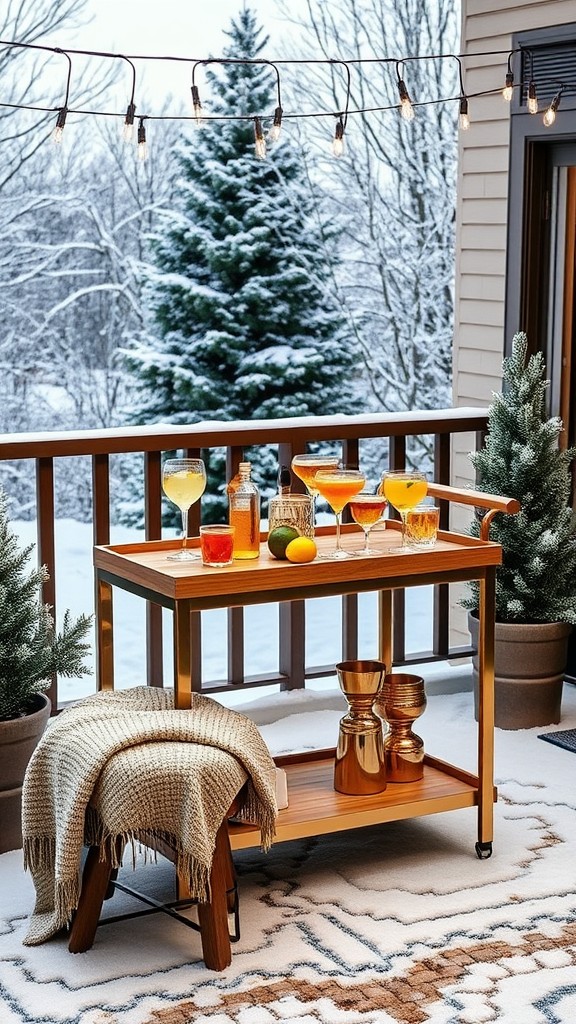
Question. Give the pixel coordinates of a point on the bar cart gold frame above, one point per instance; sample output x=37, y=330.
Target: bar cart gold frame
x=315, y=808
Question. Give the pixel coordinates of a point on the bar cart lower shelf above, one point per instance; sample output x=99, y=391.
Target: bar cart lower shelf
x=315, y=808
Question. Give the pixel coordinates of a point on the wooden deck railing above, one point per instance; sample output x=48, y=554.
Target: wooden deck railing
x=289, y=437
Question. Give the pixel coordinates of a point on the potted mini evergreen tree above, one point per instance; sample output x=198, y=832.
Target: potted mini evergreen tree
x=536, y=584
x=30, y=652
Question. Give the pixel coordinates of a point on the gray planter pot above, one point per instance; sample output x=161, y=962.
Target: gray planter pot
x=529, y=666
x=18, y=740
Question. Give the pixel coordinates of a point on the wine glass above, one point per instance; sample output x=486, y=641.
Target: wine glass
x=306, y=466
x=367, y=510
x=337, y=487
x=183, y=482
x=404, y=489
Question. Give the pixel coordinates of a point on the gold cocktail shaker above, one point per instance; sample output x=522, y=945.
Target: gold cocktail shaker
x=360, y=768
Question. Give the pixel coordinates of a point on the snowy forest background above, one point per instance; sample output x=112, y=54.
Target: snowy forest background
x=204, y=283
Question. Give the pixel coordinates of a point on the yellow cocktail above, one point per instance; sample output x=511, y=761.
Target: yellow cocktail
x=183, y=482
x=337, y=487
x=404, y=489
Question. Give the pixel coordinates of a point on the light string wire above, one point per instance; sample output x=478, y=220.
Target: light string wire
x=340, y=115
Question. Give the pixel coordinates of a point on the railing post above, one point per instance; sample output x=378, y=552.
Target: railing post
x=153, y=531
x=45, y=534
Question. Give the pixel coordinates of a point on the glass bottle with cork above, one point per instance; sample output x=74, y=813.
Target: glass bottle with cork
x=244, y=513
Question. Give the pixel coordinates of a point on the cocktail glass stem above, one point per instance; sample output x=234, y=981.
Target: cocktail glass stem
x=365, y=549
x=338, y=545
x=184, y=512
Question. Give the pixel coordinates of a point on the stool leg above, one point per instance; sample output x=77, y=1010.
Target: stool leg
x=95, y=879
x=213, y=916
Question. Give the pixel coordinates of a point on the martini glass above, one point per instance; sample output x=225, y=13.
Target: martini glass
x=338, y=487
x=183, y=482
x=306, y=466
x=367, y=510
x=404, y=489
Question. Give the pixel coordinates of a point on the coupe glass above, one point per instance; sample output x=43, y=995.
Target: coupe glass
x=367, y=510
x=404, y=489
x=338, y=487
x=306, y=467
x=183, y=482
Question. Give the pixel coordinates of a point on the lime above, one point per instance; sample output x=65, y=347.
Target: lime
x=279, y=539
x=302, y=549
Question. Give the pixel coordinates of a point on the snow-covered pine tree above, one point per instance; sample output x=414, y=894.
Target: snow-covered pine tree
x=30, y=648
x=243, y=322
x=521, y=459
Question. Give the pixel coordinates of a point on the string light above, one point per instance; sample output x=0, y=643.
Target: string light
x=274, y=133
x=463, y=116
x=550, y=115
x=259, y=140
x=464, y=119
x=338, y=143
x=142, y=144
x=406, y=104
x=58, y=132
x=128, y=127
x=406, y=108
x=532, y=97
x=508, y=90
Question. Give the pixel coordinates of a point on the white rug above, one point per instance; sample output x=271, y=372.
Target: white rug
x=394, y=924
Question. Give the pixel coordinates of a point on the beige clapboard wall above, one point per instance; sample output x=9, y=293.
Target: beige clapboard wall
x=482, y=213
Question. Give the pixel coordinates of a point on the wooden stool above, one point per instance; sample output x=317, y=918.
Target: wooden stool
x=213, y=917
x=99, y=877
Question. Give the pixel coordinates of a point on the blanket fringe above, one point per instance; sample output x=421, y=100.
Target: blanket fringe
x=39, y=853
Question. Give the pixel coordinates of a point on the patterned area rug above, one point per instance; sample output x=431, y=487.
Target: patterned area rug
x=394, y=924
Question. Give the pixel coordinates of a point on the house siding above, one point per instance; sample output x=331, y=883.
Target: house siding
x=481, y=218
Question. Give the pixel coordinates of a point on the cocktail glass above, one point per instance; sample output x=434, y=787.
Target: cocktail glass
x=367, y=510
x=306, y=466
x=338, y=487
x=183, y=482
x=404, y=489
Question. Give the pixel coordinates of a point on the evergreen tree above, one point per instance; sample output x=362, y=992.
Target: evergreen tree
x=30, y=648
x=521, y=459
x=240, y=296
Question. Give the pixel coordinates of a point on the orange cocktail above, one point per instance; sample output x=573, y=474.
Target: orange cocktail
x=306, y=467
x=367, y=510
x=337, y=487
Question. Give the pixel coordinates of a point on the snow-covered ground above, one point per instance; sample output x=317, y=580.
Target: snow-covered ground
x=75, y=590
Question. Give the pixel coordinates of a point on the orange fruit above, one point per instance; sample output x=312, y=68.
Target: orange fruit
x=301, y=549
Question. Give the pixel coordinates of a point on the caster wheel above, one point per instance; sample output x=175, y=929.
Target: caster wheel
x=483, y=850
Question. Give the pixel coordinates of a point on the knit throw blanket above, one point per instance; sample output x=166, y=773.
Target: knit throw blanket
x=68, y=771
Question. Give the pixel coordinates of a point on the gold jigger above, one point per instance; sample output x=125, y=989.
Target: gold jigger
x=401, y=701
x=360, y=768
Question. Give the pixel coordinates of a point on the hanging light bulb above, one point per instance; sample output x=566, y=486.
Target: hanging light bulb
x=59, y=127
x=550, y=115
x=259, y=140
x=406, y=108
x=128, y=128
x=338, y=142
x=464, y=119
x=274, y=133
x=508, y=90
x=197, y=106
x=142, y=145
x=532, y=98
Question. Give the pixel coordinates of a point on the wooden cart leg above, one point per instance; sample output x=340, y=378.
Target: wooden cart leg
x=487, y=611
x=213, y=916
x=95, y=879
